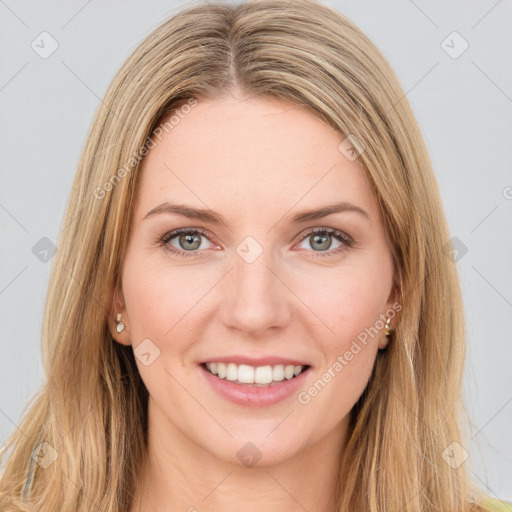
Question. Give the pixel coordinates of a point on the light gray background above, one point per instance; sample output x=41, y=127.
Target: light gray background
x=463, y=106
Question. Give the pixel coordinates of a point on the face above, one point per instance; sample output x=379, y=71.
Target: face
x=254, y=283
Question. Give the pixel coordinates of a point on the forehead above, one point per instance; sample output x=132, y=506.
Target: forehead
x=250, y=154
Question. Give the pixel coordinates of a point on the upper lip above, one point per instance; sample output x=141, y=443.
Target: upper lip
x=256, y=361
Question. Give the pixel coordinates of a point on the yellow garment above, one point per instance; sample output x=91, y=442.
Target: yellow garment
x=494, y=505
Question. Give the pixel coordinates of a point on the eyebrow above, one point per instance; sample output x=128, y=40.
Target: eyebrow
x=206, y=215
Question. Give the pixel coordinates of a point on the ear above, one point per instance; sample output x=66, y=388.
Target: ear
x=118, y=308
x=393, y=308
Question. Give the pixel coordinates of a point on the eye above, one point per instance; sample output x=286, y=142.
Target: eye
x=187, y=242
x=320, y=240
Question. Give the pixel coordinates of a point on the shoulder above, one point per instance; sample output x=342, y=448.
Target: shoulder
x=495, y=505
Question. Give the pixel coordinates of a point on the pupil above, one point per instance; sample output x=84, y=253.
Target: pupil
x=189, y=239
x=326, y=243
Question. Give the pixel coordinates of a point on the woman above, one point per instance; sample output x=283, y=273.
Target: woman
x=251, y=306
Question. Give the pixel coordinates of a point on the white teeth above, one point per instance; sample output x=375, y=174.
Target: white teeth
x=246, y=374
x=288, y=372
x=231, y=372
x=278, y=372
x=221, y=369
x=263, y=375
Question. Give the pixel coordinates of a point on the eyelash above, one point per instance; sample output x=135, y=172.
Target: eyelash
x=339, y=235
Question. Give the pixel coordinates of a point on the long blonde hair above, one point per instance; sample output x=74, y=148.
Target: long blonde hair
x=92, y=408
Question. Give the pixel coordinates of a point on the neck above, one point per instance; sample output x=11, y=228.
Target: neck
x=181, y=476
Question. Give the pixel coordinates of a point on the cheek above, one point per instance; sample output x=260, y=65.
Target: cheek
x=349, y=301
x=150, y=314
x=161, y=303
x=344, y=302
x=157, y=295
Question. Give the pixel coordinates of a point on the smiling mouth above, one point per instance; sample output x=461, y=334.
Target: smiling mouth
x=261, y=376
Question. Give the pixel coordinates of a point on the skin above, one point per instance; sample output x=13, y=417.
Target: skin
x=257, y=162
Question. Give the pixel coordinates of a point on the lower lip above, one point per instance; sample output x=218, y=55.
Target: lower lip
x=252, y=396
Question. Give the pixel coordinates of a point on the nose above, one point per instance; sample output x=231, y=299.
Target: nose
x=255, y=298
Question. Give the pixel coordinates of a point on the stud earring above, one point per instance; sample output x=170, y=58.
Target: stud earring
x=388, y=326
x=120, y=325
